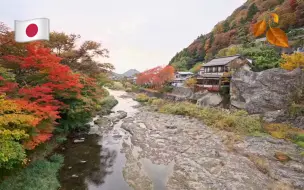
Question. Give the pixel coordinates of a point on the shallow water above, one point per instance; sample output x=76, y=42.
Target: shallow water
x=98, y=162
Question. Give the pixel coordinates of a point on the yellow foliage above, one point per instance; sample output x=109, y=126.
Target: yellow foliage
x=293, y=61
x=20, y=120
x=283, y=131
x=8, y=106
x=190, y=82
x=13, y=134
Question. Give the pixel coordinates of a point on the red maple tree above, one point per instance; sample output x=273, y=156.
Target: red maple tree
x=156, y=77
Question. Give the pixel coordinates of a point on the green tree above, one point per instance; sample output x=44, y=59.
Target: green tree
x=263, y=56
x=253, y=9
x=226, y=26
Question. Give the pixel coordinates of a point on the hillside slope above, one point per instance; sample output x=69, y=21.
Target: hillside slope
x=236, y=29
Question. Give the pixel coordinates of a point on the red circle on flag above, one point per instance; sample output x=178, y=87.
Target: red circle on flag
x=31, y=30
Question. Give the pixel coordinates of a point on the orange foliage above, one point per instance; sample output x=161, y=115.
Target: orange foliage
x=40, y=98
x=156, y=77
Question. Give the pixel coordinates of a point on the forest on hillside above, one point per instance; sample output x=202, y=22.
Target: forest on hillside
x=233, y=35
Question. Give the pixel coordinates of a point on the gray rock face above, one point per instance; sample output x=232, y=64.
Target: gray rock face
x=209, y=99
x=181, y=93
x=268, y=92
x=204, y=158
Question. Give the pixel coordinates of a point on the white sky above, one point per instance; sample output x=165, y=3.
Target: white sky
x=139, y=34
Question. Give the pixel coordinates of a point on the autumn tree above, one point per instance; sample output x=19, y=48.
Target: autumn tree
x=191, y=82
x=156, y=77
x=80, y=59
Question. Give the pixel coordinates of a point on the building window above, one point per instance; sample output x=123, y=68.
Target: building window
x=214, y=69
x=226, y=69
x=220, y=69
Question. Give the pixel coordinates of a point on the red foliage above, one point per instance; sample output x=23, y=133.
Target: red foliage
x=293, y=4
x=156, y=77
x=39, y=99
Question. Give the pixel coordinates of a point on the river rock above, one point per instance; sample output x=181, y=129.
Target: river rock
x=268, y=92
x=103, y=122
x=75, y=176
x=121, y=114
x=78, y=140
x=171, y=127
x=209, y=99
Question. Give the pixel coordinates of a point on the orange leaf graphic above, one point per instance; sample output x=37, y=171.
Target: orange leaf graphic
x=275, y=17
x=277, y=37
x=259, y=28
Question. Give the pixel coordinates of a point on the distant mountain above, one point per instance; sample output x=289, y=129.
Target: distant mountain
x=130, y=73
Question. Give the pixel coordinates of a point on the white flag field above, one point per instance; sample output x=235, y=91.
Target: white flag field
x=32, y=30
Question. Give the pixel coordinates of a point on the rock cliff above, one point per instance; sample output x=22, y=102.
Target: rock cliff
x=269, y=93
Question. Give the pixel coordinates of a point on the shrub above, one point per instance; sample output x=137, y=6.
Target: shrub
x=116, y=86
x=166, y=89
x=61, y=139
x=135, y=88
x=238, y=122
x=39, y=175
x=142, y=97
x=11, y=154
x=285, y=131
x=158, y=102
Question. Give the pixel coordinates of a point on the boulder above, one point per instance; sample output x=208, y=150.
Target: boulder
x=181, y=93
x=268, y=93
x=103, y=122
x=121, y=114
x=209, y=99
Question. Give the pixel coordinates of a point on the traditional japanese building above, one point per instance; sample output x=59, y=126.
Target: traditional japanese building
x=180, y=78
x=216, y=73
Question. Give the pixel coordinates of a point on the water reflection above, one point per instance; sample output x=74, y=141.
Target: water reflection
x=85, y=163
x=97, y=163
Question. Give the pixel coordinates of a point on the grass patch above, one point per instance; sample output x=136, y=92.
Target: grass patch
x=39, y=175
x=142, y=97
x=239, y=122
x=285, y=131
x=260, y=163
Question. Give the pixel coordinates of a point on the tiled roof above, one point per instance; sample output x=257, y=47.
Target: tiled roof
x=221, y=61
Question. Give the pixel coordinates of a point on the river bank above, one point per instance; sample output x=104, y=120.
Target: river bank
x=44, y=164
x=135, y=147
x=138, y=148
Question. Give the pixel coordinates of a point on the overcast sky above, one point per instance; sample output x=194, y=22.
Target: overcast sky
x=140, y=34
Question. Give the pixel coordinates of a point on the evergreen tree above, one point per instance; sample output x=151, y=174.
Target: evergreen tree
x=226, y=26
x=253, y=9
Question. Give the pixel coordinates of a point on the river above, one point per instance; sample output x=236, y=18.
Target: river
x=144, y=150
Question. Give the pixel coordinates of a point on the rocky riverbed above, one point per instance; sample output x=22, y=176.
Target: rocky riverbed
x=137, y=148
